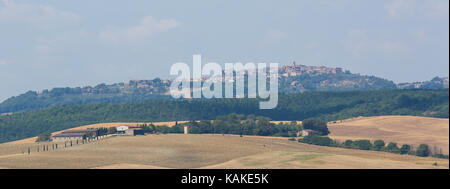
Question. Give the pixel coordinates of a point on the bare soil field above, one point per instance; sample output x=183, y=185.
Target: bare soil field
x=206, y=151
x=401, y=129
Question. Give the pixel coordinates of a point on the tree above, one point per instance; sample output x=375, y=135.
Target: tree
x=112, y=130
x=423, y=150
x=362, y=144
x=44, y=137
x=323, y=105
x=316, y=125
x=392, y=147
x=348, y=144
x=317, y=140
x=405, y=149
x=378, y=145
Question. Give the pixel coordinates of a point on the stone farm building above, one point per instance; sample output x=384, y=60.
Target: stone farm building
x=79, y=134
x=129, y=130
x=305, y=132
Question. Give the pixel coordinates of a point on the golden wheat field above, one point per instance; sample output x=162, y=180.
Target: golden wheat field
x=116, y=124
x=158, y=151
x=401, y=129
x=206, y=151
x=100, y=125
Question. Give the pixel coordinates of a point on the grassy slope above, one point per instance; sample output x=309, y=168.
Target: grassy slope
x=401, y=129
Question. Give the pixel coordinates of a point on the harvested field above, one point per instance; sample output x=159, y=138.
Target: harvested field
x=99, y=125
x=208, y=151
x=401, y=129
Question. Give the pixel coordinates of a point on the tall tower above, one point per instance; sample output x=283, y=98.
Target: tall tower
x=294, y=63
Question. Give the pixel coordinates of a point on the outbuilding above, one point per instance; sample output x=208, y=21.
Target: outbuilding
x=122, y=129
x=305, y=132
x=69, y=136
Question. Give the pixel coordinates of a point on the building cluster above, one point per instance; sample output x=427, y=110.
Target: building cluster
x=76, y=134
x=129, y=130
x=92, y=133
x=297, y=70
x=305, y=132
x=150, y=84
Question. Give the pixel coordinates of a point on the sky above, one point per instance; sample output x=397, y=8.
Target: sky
x=51, y=43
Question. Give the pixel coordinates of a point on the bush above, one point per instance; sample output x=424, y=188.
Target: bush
x=405, y=149
x=112, y=130
x=440, y=156
x=362, y=144
x=423, y=150
x=44, y=137
x=378, y=145
x=316, y=125
x=348, y=144
x=392, y=147
x=316, y=140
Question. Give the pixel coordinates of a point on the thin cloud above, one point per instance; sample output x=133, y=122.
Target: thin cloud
x=146, y=27
x=4, y=62
x=39, y=17
x=397, y=8
x=273, y=37
x=408, y=8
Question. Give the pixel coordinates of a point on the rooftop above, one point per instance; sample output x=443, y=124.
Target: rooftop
x=70, y=135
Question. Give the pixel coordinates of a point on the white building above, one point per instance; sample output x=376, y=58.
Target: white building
x=122, y=129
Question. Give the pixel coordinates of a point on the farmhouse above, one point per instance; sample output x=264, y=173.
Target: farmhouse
x=90, y=132
x=135, y=131
x=130, y=131
x=121, y=129
x=79, y=134
x=305, y=132
x=69, y=136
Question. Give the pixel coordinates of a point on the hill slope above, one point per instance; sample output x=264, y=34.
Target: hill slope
x=400, y=129
x=206, y=151
x=298, y=106
x=291, y=79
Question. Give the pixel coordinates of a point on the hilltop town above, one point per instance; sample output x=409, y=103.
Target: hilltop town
x=291, y=78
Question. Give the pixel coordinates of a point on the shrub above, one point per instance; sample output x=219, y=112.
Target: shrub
x=405, y=149
x=378, y=145
x=316, y=140
x=440, y=156
x=362, y=144
x=423, y=150
x=112, y=130
x=44, y=137
x=316, y=125
x=392, y=147
x=348, y=144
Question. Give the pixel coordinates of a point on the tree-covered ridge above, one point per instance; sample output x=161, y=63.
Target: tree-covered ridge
x=326, y=106
x=292, y=79
x=115, y=93
x=333, y=82
x=237, y=124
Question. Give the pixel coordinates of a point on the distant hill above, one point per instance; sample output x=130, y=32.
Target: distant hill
x=326, y=105
x=435, y=83
x=292, y=78
x=134, y=91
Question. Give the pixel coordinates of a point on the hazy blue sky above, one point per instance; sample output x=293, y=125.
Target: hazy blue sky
x=53, y=43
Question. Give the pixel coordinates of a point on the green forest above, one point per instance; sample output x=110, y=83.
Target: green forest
x=142, y=90
x=326, y=106
x=233, y=124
